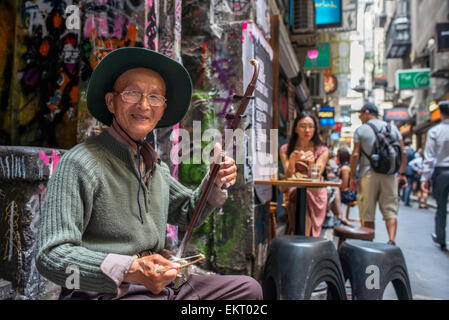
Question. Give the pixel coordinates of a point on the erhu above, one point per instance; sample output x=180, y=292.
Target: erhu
x=183, y=270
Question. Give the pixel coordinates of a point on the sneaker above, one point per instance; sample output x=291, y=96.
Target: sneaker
x=434, y=238
x=391, y=242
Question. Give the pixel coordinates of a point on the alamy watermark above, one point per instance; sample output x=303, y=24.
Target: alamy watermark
x=73, y=279
x=373, y=279
x=199, y=148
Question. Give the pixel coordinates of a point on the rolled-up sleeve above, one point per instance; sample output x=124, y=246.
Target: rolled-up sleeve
x=429, y=156
x=115, y=267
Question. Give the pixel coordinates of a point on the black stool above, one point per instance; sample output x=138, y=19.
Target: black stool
x=297, y=264
x=346, y=232
x=363, y=261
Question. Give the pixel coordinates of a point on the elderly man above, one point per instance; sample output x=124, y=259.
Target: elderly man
x=110, y=198
x=436, y=168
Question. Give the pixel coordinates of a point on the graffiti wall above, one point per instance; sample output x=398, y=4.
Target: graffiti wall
x=106, y=25
x=44, y=89
x=7, y=30
x=24, y=173
x=212, y=51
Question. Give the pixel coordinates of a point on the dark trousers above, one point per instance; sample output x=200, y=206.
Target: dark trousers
x=440, y=179
x=198, y=287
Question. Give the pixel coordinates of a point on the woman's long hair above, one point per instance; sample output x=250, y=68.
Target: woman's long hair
x=294, y=136
x=343, y=155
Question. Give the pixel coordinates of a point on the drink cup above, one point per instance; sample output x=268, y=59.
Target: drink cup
x=315, y=172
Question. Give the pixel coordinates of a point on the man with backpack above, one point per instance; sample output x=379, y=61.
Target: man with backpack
x=380, y=149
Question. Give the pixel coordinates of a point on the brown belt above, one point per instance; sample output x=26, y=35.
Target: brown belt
x=143, y=253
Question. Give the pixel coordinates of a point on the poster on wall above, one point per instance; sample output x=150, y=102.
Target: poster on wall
x=263, y=146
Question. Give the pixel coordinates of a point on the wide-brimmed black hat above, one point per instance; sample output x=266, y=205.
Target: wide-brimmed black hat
x=177, y=81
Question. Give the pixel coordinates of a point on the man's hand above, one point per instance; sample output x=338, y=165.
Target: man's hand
x=150, y=272
x=353, y=184
x=402, y=178
x=425, y=186
x=228, y=170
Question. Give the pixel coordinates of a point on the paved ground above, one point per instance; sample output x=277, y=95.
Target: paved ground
x=427, y=264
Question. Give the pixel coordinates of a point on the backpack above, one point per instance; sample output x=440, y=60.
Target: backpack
x=386, y=156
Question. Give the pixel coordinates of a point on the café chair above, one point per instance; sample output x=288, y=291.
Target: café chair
x=296, y=265
x=371, y=266
x=346, y=232
x=349, y=205
x=272, y=219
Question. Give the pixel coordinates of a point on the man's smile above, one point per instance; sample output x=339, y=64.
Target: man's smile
x=139, y=117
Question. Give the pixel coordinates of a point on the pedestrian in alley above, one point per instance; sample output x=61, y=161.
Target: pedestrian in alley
x=374, y=187
x=417, y=167
x=110, y=198
x=436, y=168
x=408, y=172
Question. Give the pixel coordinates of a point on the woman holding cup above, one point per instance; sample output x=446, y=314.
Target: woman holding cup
x=306, y=154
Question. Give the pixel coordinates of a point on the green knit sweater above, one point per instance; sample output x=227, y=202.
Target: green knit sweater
x=91, y=210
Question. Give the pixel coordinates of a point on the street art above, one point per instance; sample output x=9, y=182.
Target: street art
x=11, y=237
x=50, y=162
x=6, y=62
x=47, y=73
x=13, y=166
x=107, y=25
x=151, y=30
x=223, y=69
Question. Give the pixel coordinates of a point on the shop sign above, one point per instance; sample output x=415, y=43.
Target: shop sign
x=338, y=126
x=328, y=13
x=412, y=78
x=433, y=106
x=435, y=115
x=442, y=31
x=326, y=116
x=397, y=114
x=335, y=136
x=319, y=58
x=434, y=110
x=330, y=84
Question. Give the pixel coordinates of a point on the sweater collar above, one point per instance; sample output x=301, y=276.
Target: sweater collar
x=125, y=144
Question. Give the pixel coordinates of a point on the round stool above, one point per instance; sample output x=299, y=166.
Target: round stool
x=346, y=232
x=297, y=264
x=349, y=205
x=371, y=266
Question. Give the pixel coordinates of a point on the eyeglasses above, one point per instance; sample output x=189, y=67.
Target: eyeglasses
x=155, y=100
x=305, y=126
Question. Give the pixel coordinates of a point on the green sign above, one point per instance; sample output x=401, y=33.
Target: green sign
x=319, y=58
x=412, y=78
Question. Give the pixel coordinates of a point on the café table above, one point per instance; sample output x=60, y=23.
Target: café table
x=301, y=196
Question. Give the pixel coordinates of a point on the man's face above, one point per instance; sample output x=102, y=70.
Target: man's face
x=362, y=116
x=137, y=119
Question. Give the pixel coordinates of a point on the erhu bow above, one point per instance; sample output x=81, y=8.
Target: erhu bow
x=213, y=174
